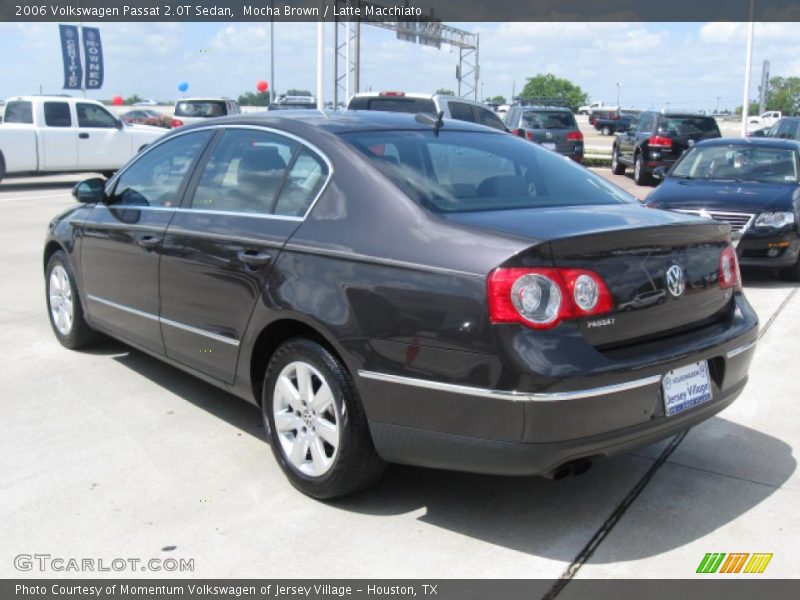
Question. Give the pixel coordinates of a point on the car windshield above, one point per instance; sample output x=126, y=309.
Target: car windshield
x=548, y=119
x=200, y=108
x=687, y=126
x=293, y=106
x=461, y=171
x=739, y=163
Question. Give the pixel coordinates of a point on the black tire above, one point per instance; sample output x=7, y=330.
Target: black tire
x=2, y=167
x=355, y=465
x=617, y=168
x=791, y=273
x=79, y=334
x=640, y=176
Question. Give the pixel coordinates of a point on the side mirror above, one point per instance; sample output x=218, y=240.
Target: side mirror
x=119, y=124
x=660, y=173
x=759, y=133
x=90, y=191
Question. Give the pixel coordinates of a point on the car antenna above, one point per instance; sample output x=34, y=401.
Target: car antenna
x=437, y=123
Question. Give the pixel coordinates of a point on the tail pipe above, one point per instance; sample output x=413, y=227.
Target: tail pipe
x=574, y=468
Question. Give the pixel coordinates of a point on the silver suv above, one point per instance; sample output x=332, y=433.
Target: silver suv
x=432, y=104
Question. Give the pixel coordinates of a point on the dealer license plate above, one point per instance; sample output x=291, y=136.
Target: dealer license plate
x=686, y=387
x=549, y=145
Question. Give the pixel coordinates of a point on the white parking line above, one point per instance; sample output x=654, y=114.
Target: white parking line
x=4, y=198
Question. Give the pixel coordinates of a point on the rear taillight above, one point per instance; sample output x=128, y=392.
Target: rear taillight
x=529, y=135
x=543, y=297
x=575, y=136
x=729, y=275
x=659, y=141
x=175, y=123
x=518, y=132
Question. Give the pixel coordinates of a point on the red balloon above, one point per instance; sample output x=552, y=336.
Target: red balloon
x=117, y=101
x=262, y=86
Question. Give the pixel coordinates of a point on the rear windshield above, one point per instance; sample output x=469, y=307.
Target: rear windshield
x=685, y=126
x=460, y=171
x=394, y=104
x=739, y=163
x=548, y=119
x=200, y=108
x=292, y=106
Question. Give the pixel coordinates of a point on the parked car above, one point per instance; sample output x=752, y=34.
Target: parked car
x=608, y=125
x=554, y=128
x=57, y=134
x=750, y=184
x=146, y=102
x=786, y=128
x=764, y=120
x=390, y=288
x=145, y=116
x=194, y=110
x=590, y=109
x=658, y=139
x=432, y=104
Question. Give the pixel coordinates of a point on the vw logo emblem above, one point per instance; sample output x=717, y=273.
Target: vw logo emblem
x=548, y=135
x=675, y=283
x=691, y=143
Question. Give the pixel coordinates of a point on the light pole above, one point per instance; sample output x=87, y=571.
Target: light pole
x=747, y=67
x=619, y=93
x=271, y=52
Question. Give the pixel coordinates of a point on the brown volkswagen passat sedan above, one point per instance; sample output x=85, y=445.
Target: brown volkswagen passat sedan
x=391, y=288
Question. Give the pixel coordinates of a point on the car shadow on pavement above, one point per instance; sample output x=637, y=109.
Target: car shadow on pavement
x=532, y=514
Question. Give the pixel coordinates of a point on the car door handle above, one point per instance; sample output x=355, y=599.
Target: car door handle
x=253, y=258
x=149, y=241
x=83, y=136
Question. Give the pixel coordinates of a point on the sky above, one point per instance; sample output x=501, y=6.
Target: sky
x=688, y=65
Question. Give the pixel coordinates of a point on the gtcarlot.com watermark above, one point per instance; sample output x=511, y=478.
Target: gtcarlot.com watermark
x=60, y=564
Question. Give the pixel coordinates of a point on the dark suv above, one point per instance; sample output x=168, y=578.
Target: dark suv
x=554, y=128
x=786, y=128
x=657, y=139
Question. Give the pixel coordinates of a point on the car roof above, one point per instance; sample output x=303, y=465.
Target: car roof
x=764, y=142
x=203, y=99
x=546, y=108
x=305, y=121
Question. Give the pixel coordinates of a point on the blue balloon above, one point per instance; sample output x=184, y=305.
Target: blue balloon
x=183, y=86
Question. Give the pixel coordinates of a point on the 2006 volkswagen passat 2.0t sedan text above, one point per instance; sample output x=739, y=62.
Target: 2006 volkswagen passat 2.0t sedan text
x=398, y=289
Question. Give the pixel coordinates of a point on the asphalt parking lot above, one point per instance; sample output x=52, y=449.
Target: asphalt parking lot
x=110, y=453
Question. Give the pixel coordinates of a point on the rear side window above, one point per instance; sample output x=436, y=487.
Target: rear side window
x=19, y=111
x=200, y=108
x=548, y=119
x=155, y=178
x=91, y=115
x=306, y=178
x=457, y=171
x=394, y=104
x=461, y=111
x=245, y=172
x=486, y=117
x=56, y=114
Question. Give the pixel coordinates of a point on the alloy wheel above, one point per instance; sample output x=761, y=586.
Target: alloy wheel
x=307, y=420
x=61, y=304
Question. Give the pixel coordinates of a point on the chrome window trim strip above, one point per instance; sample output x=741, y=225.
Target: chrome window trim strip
x=163, y=321
x=273, y=130
x=511, y=396
x=738, y=350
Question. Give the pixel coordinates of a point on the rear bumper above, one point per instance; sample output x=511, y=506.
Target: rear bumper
x=433, y=423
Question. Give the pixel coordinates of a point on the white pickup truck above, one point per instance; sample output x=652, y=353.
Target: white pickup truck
x=58, y=134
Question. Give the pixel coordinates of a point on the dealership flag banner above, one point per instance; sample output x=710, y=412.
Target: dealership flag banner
x=71, y=54
x=93, y=53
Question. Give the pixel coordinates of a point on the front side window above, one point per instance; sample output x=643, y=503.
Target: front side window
x=739, y=163
x=91, y=115
x=461, y=171
x=155, y=178
x=19, y=111
x=245, y=172
x=57, y=114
